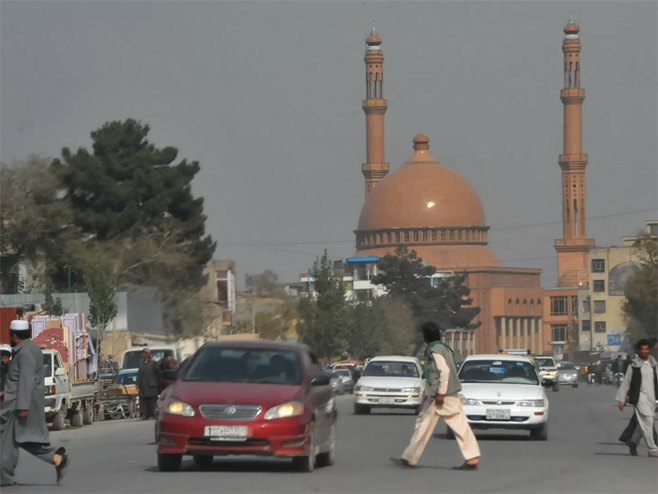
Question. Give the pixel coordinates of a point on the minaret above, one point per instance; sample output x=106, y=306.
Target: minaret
x=572, y=249
x=374, y=169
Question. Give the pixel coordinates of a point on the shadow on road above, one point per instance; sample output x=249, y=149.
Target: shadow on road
x=223, y=465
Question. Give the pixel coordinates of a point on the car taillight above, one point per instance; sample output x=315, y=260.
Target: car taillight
x=52, y=389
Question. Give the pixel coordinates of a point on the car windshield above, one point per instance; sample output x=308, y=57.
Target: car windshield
x=47, y=365
x=498, y=371
x=331, y=374
x=245, y=365
x=131, y=359
x=544, y=362
x=125, y=378
x=566, y=366
x=391, y=368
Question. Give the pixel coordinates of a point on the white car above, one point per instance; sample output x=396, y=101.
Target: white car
x=504, y=392
x=390, y=381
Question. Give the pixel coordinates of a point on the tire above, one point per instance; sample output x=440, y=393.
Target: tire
x=540, y=434
x=449, y=433
x=361, y=409
x=306, y=464
x=169, y=463
x=418, y=409
x=76, y=419
x=59, y=421
x=88, y=415
x=328, y=458
x=574, y=385
x=202, y=460
x=556, y=387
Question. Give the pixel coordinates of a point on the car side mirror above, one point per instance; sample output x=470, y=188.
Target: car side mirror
x=60, y=371
x=321, y=380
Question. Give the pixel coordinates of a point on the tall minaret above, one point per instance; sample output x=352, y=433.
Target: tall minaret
x=572, y=249
x=374, y=169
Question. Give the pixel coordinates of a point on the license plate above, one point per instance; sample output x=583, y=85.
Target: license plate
x=387, y=401
x=498, y=414
x=226, y=432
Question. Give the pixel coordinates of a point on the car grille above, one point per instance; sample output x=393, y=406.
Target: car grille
x=203, y=441
x=495, y=402
x=388, y=390
x=229, y=412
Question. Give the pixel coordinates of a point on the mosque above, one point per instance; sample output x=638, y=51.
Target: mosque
x=428, y=207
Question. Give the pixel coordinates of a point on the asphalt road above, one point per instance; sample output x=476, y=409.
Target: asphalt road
x=581, y=455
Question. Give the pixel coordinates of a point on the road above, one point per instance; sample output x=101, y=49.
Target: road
x=581, y=455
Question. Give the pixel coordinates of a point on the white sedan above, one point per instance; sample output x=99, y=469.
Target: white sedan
x=504, y=392
x=391, y=381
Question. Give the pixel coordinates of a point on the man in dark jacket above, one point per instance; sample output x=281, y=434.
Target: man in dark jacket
x=22, y=412
x=147, y=384
x=5, y=357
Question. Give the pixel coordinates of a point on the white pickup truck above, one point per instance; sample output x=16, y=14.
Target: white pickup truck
x=65, y=398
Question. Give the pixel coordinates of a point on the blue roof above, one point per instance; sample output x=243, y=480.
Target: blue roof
x=362, y=259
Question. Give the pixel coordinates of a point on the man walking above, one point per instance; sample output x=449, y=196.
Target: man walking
x=640, y=388
x=22, y=411
x=442, y=400
x=147, y=384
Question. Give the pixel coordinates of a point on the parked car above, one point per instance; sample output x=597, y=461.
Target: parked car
x=119, y=399
x=347, y=379
x=547, y=370
x=504, y=392
x=336, y=382
x=248, y=397
x=390, y=381
x=567, y=373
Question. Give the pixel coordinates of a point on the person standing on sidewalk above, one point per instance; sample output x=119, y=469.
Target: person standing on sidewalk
x=442, y=400
x=148, y=379
x=22, y=412
x=640, y=389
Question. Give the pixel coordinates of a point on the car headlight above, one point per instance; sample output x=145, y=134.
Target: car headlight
x=531, y=403
x=178, y=407
x=471, y=402
x=284, y=410
x=410, y=390
x=363, y=388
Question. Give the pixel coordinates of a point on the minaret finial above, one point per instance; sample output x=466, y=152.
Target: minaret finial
x=373, y=28
x=572, y=19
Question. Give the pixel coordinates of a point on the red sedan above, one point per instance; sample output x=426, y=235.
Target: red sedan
x=250, y=397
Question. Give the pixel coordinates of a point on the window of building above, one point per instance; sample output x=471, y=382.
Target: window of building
x=653, y=229
x=559, y=332
x=574, y=304
x=559, y=305
x=598, y=265
x=599, y=306
x=598, y=286
x=587, y=325
x=599, y=326
x=587, y=306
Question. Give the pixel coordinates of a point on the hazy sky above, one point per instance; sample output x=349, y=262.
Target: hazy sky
x=267, y=97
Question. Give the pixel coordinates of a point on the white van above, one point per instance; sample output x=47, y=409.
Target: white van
x=131, y=357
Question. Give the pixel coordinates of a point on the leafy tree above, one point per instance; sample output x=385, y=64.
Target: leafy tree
x=101, y=287
x=35, y=224
x=641, y=291
x=52, y=306
x=373, y=332
x=264, y=284
x=406, y=277
x=325, y=317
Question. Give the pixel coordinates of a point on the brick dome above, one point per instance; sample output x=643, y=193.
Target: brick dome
x=429, y=208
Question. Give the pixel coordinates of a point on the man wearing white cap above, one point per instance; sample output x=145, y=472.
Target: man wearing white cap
x=22, y=411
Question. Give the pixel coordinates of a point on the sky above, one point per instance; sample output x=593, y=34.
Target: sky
x=266, y=96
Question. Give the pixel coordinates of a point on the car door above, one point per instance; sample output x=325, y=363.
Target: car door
x=61, y=378
x=321, y=399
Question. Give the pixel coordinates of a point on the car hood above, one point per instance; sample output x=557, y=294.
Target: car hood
x=493, y=391
x=391, y=382
x=265, y=395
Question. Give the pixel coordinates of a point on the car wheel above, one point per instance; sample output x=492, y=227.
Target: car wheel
x=418, y=409
x=574, y=385
x=76, y=419
x=88, y=415
x=328, y=458
x=202, y=460
x=449, y=433
x=540, y=434
x=361, y=409
x=169, y=463
x=306, y=463
x=556, y=387
x=59, y=421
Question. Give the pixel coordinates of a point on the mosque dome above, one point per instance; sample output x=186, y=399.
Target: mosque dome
x=429, y=208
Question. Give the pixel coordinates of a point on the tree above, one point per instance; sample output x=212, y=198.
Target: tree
x=641, y=291
x=406, y=277
x=373, y=332
x=131, y=198
x=101, y=288
x=35, y=224
x=324, y=318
